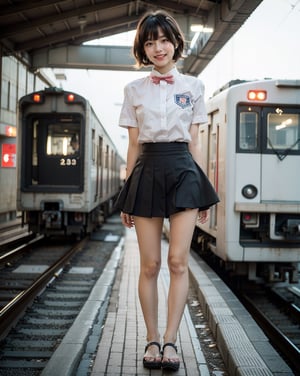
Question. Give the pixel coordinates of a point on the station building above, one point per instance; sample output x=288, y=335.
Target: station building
x=16, y=80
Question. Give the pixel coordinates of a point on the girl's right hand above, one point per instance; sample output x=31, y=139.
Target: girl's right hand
x=127, y=220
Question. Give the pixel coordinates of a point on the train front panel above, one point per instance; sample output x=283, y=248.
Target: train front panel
x=67, y=164
x=267, y=194
x=257, y=130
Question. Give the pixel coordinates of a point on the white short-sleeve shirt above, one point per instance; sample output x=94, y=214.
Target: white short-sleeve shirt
x=163, y=112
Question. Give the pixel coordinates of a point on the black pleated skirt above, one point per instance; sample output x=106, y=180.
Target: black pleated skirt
x=164, y=181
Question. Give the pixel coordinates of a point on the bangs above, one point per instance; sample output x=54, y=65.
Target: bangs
x=150, y=29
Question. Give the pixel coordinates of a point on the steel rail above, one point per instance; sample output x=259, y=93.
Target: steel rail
x=276, y=336
x=15, y=241
x=8, y=256
x=15, y=308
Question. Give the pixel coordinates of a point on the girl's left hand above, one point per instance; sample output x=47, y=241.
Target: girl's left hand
x=203, y=216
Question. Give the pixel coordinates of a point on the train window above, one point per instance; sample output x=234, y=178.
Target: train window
x=106, y=156
x=93, y=146
x=63, y=140
x=248, y=130
x=34, y=162
x=283, y=130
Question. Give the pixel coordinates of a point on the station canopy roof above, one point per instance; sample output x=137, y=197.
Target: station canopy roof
x=37, y=30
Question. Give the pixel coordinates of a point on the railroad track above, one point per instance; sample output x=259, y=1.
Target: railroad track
x=20, y=286
x=277, y=311
x=54, y=301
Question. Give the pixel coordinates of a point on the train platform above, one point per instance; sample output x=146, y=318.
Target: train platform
x=108, y=337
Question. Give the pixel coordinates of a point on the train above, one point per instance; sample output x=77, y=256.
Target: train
x=69, y=172
x=250, y=149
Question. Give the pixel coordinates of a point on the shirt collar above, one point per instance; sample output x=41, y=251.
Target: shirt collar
x=174, y=72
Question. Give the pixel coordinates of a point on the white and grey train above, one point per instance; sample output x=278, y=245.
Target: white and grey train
x=251, y=153
x=68, y=167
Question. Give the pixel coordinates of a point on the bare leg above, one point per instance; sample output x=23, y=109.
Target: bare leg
x=181, y=231
x=149, y=232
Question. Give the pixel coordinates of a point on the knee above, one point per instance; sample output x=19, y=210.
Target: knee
x=177, y=265
x=151, y=270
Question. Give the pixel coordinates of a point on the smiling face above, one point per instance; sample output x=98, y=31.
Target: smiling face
x=160, y=52
x=158, y=41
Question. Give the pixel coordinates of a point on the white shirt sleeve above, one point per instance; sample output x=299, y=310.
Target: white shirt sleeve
x=199, y=110
x=128, y=113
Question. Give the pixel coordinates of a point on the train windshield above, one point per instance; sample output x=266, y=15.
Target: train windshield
x=63, y=140
x=283, y=130
x=268, y=130
x=248, y=130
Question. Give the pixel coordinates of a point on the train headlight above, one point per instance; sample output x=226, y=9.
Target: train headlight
x=257, y=95
x=38, y=98
x=72, y=98
x=249, y=191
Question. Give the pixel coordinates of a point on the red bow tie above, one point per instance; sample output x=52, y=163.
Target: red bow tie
x=156, y=79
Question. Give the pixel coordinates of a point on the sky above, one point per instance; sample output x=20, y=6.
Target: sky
x=266, y=46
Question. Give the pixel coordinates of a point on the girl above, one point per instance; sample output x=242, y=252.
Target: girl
x=164, y=180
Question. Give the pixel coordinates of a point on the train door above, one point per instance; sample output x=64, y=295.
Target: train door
x=280, y=154
x=56, y=155
x=101, y=166
x=213, y=158
x=106, y=169
x=248, y=150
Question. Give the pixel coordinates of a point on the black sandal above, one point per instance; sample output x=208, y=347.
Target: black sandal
x=170, y=365
x=152, y=364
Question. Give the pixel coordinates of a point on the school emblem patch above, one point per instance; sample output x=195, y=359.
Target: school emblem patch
x=182, y=100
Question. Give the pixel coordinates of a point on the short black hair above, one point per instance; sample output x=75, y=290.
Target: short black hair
x=148, y=28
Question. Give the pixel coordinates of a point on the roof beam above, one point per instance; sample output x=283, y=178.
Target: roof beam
x=13, y=9
x=72, y=34
x=87, y=57
x=177, y=7
x=22, y=27
x=32, y=25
